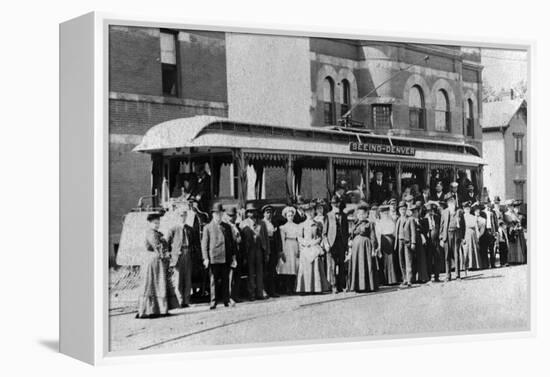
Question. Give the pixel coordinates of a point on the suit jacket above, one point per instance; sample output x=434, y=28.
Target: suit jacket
x=412, y=232
x=438, y=197
x=176, y=238
x=378, y=193
x=398, y=223
x=255, y=238
x=431, y=235
x=492, y=219
x=445, y=222
x=420, y=198
x=467, y=197
x=217, y=243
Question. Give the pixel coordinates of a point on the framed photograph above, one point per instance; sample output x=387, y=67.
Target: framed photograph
x=231, y=188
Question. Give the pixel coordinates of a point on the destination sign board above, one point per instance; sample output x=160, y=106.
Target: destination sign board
x=382, y=149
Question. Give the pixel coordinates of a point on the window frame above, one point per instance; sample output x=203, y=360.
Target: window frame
x=329, y=107
x=345, y=105
x=389, y=124
x=170, y=66
x=420, y=112
x=518, y=149
x=446, y=112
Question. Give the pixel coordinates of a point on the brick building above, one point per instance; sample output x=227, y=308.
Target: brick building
x=504, y=144
x=157, y=75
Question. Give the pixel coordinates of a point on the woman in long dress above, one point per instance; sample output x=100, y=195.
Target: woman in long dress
x=386, y=239
x=362, y=258
x=321, y=210
x=153, y=292
x=517, y=249
x=311, y=277
x=470, y=245
x=288, y=264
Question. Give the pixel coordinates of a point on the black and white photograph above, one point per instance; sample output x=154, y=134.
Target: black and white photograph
x=275, y=189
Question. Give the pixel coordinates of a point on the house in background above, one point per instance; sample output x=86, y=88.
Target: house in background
x=504, y=129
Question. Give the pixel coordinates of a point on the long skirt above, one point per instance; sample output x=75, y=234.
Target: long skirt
x=362, y=269
x=311, y=276
x=470, y=247
x=153, y=292
x=421, y=261
x=290, y=265
x=390, y=260
x=517, y=250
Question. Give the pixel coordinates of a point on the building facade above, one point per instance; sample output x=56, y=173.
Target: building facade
x=504, y=145
x=404, y=90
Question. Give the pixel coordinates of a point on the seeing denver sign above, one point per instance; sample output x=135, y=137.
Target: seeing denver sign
x=381, y=148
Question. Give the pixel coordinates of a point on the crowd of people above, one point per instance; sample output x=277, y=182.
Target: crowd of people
x=324, y=246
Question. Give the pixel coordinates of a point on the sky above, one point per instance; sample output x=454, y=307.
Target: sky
x=503, y=68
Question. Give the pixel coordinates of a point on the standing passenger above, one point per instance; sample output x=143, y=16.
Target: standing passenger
x=270, y=269
x=405, y=259
x=386, y=241
x=288, y=263
x=153, y=300
x=451, y=234
x=218, y=253
x=256, y=245
x=362, y=268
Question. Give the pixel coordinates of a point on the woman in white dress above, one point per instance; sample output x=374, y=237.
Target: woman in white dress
x=470, y=245
x=288, y=264
x=311, y=276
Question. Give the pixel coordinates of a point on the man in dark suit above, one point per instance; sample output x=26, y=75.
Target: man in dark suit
x=219, y=255
x=487, y=239
x=424, y=197
x=256, y=246
x=451, y=234
x=337, y=237
x=438, y=195
x=469, y=194
x=430, y=229
x=202, y=189
x=378, y=189
x=183, y=244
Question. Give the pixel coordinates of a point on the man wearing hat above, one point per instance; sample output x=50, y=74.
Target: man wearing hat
x=218, y=254
x=256, y=246
x=487, y=239
x=337, y=234
x=235, y=271
x=430, y=229
x=183, y=244
x=273, y=236
x=405, y=258
x=378, y=188
x=414, y=246
x=451, y=234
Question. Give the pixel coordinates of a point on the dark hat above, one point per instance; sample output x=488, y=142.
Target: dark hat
x=250, y=207
x=443, y=204
x=467, y=204
x=402, y=204
x=414, y=207
x=308, y=206
x=217, y=207
x=267, y=207
x=232, y=211
x=500, y=222
x=153, y=216
x=481, y=206
x=516, y=203
x=496, y=199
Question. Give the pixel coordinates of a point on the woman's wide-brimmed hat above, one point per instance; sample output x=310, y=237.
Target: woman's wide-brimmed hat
x=288, y=210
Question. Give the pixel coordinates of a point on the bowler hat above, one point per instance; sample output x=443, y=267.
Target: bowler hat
x=250, y=207
x=217, y=207
x=232, y=211
x=467, y=204
x=153, y=216
x=384, y=208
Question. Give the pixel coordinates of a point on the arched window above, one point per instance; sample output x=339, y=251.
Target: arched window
x=346, y=97
x=417, y=112
x=328, y=101
x=442, y=111
x=469, y=118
